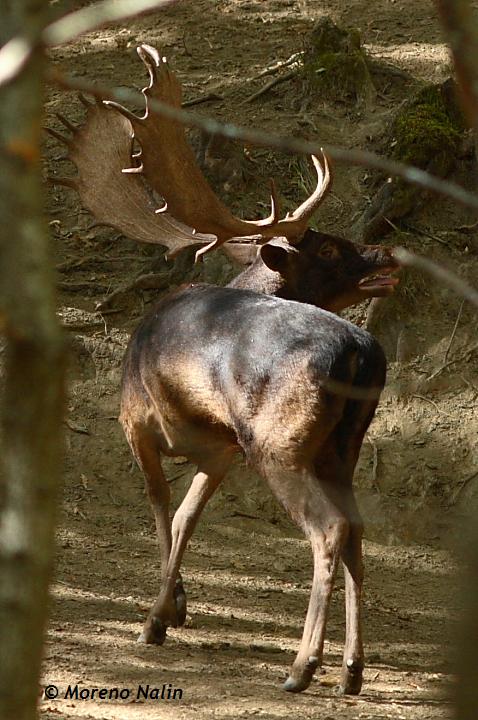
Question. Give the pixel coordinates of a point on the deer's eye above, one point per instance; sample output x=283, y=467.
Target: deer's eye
x=327, y=250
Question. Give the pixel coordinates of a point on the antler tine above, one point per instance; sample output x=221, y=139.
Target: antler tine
x=152, y=60
x=148, y=52
x=121, y=109
x=159, y=74
x=309, y=206
x=134, y=169
x=294, y=224
x=205, y=249
x=275, y=209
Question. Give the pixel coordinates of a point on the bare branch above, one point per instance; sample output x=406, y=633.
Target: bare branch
x=286, y=144
x=455, y=328
x=16, y=52
x=463, y=356
x=94, y=16
x=404, y=257
x=13, y=57
x=272, y=83
x=276, y=67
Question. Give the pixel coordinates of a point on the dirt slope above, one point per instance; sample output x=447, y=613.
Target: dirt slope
x=248, y=570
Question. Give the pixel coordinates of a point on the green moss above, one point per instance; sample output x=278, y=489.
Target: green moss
x=426, y=133
x=338, y=75
x=334, y=64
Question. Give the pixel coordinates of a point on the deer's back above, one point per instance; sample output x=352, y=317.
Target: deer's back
x=213, y=364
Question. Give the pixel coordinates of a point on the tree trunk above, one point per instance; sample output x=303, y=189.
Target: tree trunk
x=32, y=397
x=459, y=21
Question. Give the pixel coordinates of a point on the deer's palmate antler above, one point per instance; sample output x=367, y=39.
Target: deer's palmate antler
x=122, y=188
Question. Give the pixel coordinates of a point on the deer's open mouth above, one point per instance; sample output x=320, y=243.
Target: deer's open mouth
x=380, y=280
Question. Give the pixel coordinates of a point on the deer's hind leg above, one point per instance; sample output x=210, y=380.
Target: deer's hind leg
x=170, y=606
x=346, y=444
x=353, y=658
x=205, y=482
x=145, y=448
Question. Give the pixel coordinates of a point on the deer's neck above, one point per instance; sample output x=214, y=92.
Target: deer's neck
x=259, y=278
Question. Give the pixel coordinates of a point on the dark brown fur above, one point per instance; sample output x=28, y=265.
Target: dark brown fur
x=214, y=371
x=256, y=367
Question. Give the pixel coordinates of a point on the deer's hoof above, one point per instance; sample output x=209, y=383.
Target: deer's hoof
x=299, y=681
x=295, y=686
x=351, y=682
x=154, y=632
x=181, y=605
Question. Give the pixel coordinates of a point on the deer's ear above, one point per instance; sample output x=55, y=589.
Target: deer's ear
x=276, y=254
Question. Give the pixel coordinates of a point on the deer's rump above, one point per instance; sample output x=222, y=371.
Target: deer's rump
x=235, y=367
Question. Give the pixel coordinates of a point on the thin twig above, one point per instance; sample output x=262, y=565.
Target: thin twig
x=462, y=288
x=374, y=464
x=111, y=311
x=185, y=47
x=425, y=233
x=461, y=486
x=81, y=429
x=392, y=224
x=467, y=228
x=147, y=281
x=452, y=362
x=83, y=325
x=262, y=138
x=210, y=97
x=17, y=51
x=82, y=285
x=272, y=83
x=95, y=16
x=75, y=263
x=238, y=513
x=470, y=385
x=115, y=502
x=432, y=402
x=272, y=69
x=458, y=318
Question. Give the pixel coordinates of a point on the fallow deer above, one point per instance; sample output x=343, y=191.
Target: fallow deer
x=262, y=366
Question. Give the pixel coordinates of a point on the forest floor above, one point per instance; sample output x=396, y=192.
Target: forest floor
x=247, y=569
